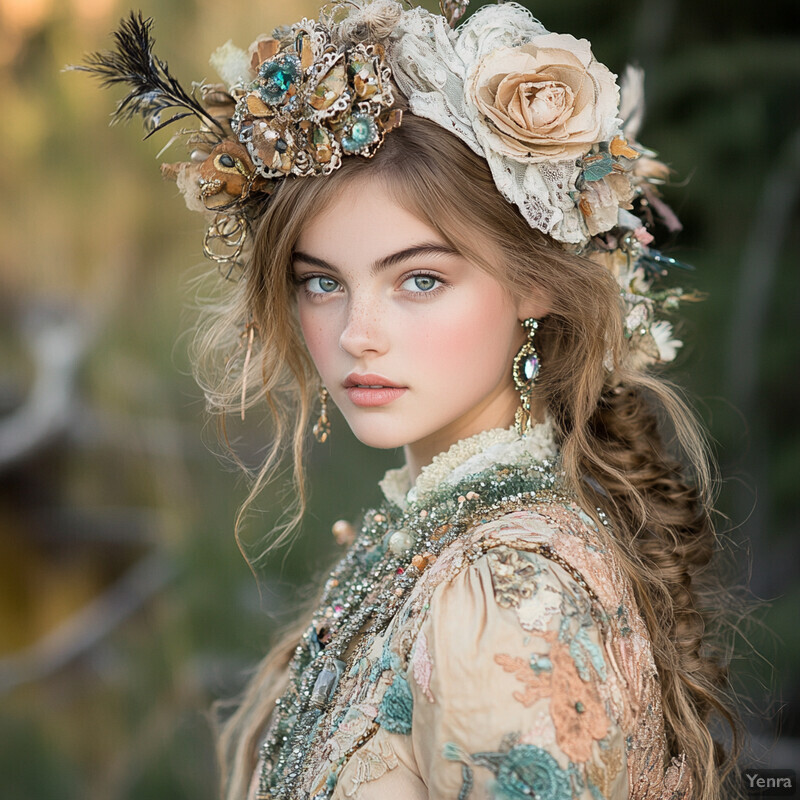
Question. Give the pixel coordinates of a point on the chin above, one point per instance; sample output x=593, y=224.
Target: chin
x=380, y=433
x=380, y=440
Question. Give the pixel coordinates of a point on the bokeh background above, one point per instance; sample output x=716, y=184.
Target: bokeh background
x=125, y=605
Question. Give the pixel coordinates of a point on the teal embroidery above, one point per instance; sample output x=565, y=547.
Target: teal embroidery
x=528, y=770
x=581, y=648
x=521, y=772
x=394, y=712
x=585, y=653
x=452, y=752
x=540, y=663
x=357, y=668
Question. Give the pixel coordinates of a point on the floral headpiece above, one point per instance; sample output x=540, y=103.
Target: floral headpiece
x=548, y=118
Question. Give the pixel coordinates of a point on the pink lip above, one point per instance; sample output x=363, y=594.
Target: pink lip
x=357, y=390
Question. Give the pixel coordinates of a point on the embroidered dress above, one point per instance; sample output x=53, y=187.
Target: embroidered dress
x=478, y=640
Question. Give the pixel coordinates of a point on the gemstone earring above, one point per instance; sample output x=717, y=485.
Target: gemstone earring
x=322, y=427
x=525, y=370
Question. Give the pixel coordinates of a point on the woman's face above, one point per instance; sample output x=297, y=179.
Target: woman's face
x=413, y=342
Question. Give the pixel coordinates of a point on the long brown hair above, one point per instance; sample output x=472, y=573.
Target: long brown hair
x=606, y=420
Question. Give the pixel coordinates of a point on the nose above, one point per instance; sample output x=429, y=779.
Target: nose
x=363, y=331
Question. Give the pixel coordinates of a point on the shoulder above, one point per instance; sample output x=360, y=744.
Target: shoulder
x=509, y=661
x=530, y=579
x=508, y=583
x=550, y=546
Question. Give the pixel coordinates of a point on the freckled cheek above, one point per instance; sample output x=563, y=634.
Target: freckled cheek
x=320, y=338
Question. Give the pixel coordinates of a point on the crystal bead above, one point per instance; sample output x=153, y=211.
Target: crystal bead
x=531, y=367
x=326, y=682
x=277, y=77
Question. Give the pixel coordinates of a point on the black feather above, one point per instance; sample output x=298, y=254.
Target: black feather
x=153, y=89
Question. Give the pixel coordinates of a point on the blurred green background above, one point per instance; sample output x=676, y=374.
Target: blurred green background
x=125, y=605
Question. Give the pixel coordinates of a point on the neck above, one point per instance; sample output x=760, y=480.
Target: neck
x=498, y=413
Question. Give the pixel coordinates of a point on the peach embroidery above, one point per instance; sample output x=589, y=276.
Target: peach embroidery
x=422, y=666
x=575, y=707
x=537, y=684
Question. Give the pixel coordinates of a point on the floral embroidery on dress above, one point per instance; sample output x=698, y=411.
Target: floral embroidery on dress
x=422, y=666
x=576, y=708
x=581, y=673
x=369, y=763
x=521, y=771
x=585, y=652
x=359, y=719
x=535, y=674
x=395, y=710
x=575, y=705
x=535, y=614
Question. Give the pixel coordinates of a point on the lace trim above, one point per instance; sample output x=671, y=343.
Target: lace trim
x=467, y=457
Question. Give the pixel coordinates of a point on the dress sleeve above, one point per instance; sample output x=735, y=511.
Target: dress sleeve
x=511, y=687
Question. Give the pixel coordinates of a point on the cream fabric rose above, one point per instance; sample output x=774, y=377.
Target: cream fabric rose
x=555, y=102
x=546, y=100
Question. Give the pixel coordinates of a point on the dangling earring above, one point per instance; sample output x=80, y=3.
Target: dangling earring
x=322, y=427
x=525, y=370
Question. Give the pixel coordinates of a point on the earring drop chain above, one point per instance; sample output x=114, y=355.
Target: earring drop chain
x=322, y=427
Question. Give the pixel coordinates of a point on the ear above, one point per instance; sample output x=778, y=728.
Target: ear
x=536, y=305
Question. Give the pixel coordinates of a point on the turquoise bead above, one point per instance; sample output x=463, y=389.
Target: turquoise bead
x=361, y=133
x=277, y=77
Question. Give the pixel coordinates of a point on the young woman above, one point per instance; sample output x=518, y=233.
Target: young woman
x=445, y=232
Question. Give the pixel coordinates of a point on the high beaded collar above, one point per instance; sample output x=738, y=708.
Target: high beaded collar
x=467, y=457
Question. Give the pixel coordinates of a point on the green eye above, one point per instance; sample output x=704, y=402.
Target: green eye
x=322, y=285
x=420, y=283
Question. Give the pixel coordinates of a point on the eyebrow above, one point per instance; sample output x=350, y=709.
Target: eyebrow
x=424, y=249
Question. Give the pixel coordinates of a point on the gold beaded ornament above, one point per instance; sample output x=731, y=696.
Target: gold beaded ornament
x=525, y=370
